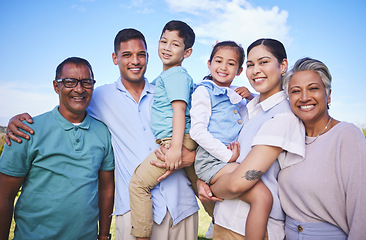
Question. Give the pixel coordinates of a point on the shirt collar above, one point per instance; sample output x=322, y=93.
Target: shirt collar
x=148, y=88
x=269, y=102
x=66, y=125
x=217, y=90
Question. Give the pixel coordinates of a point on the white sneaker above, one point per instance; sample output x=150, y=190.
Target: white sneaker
x=209, y=233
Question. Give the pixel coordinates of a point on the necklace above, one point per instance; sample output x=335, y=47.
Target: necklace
x=330, y=119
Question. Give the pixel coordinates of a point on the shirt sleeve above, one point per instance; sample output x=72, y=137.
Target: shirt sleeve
x=200, y=118
x=108, y=161
x=178, y=86
x=14, y=160
x=286, y=131
x=352, y=164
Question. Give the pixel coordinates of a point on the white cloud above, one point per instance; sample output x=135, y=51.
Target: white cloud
x=145, y=10
x=234, y=20
x=78, y=8
x=22, y=97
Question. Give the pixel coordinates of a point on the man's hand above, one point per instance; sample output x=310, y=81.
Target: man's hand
x=14, y=124
x=187, y=160
x=205, y=193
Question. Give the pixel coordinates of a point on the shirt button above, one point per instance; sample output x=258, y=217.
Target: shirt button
x=240, y=121
x=299, y=228
x=235, y=111
x=77, y=140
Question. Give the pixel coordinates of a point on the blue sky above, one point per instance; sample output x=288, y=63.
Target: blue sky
x=37, y=35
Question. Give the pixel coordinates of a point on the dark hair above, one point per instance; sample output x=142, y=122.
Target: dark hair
x=74, y=60
x=125, y=35
x=184, y=31
x=272, y=45
x=227, y=44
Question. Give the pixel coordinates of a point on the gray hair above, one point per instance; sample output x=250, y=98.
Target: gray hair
x=309, y=64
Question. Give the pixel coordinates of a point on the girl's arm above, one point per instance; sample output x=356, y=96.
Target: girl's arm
x=249, y=171
x=200, y=118
x=173, y=156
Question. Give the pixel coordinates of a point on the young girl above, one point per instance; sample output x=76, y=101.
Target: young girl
x=272, y=137
x=215, y=126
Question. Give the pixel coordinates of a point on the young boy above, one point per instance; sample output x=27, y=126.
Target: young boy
x=170, y=122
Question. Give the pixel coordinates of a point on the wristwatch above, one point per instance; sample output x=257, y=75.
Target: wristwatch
x=108, y=237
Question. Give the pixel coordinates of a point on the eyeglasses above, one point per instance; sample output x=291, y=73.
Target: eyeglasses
x=73, y=82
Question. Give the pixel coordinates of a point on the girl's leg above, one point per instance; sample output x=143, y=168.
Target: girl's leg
x=260, y=199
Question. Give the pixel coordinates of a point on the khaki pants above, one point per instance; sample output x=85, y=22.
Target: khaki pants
x=221, y=233
x=187, y=229
x=143, y=180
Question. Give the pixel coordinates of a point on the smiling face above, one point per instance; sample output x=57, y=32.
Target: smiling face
x=224, y=66
x=131, y=58
x=264, y=71
x=172, y=50
x=73, y=101
x=308, y=97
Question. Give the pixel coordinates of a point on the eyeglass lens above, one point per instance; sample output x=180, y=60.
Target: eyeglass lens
x=73, y=82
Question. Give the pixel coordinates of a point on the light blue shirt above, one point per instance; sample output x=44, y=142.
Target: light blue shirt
x=60, y=163
x=171, y=85
x=133, y=140
x=225, y=121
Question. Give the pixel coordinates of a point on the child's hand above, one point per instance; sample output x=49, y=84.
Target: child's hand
x=244, y=93
x=173, y=159
x=235, y=148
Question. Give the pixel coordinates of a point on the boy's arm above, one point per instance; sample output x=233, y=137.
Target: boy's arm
x=173, y=156
x=13, y=128
x=105, y=203
x=9, y=187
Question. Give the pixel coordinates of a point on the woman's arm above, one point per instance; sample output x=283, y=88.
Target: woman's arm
x=353, y=170
x=250, y=170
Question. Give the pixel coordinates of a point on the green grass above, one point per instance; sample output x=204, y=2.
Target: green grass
x=203, y=223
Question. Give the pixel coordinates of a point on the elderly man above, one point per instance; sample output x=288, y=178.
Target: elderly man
x=65, y=169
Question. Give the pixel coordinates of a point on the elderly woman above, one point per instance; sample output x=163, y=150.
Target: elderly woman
x=323, y=196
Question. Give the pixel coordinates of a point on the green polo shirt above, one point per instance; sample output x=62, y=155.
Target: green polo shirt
x=60, y=163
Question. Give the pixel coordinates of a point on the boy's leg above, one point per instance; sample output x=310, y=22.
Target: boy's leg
x=260, y=199
x=142, y=181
